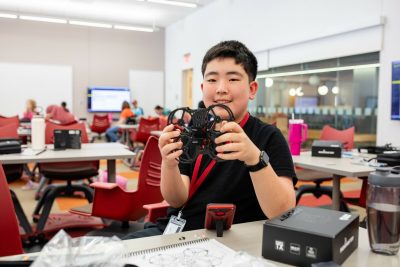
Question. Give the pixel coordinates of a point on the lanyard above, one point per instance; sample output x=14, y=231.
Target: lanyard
x=195, y=183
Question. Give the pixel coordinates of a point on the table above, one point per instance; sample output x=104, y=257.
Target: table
x=88, y=152
x=338, y=167
x=248, y=237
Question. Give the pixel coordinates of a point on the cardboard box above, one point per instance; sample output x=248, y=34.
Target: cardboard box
x=332, y=149
x=304, y=235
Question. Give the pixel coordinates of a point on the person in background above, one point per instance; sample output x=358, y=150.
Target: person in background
x=256, y=172
x=58, y=114
x=160, y=111
x=64, y=106
x=30, y=110
x=126, y=112
x=138, y=111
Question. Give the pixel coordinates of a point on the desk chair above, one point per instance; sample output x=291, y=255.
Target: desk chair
x=9, y=231
x=9, y=120
x=112, y=202
x=328, y=133
x=139, y=138
x=67, y=171
x=12, y=173
x=99, y=125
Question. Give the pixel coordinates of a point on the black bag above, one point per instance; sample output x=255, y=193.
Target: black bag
x=391, y=159
x=10, y=145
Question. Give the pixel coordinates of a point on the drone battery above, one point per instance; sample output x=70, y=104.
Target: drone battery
x=64, y=139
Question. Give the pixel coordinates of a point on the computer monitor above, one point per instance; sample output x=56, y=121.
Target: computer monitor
x=306, y=101
x=107, y=99
x=395, y=90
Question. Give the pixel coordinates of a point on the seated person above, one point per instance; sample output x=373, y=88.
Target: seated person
x=261, y=187
x=138, y=111
x=30, y=110
x=112, y=132
x=59, y=115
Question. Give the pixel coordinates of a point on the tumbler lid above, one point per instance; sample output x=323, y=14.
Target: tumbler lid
x=385, y=176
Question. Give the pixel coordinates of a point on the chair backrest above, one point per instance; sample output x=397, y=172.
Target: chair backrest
x=9, y=131
x=9, y=230
x=100, y=123
x=345, y=136
x=9, y=120
x=129, y=205
x=145, y=127
x=50, y=127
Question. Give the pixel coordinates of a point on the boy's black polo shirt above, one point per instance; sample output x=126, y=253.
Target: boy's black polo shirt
x=230, y=182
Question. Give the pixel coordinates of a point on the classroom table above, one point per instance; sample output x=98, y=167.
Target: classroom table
x=88, y=152
x=247, y=237
x=338, y=167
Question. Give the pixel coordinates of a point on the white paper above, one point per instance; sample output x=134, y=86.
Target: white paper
x=208, y=252
x=32, y=152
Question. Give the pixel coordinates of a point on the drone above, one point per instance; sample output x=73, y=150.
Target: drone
x=197, y=128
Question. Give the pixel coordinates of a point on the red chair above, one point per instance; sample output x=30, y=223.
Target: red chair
x=328, y=133
x=145, y=127
x=68, y=171
x=345, y=136
x=9, y=231
x=140, y=137
x=9, y=120
x=99, y=125
x=112, y=202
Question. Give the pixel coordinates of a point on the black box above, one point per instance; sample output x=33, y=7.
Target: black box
x=10, y=146
x=304, y=235
x=332, y=149
x=64, y=139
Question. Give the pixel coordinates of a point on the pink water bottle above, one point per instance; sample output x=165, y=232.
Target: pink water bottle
x=297, y=135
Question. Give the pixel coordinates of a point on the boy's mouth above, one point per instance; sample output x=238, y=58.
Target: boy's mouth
x=222, y=101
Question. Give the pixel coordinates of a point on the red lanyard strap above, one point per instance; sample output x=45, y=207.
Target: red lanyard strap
x=195, y=183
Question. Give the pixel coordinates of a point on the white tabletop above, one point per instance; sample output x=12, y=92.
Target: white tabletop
x=248, y=237
x=128, y=126
x=91, y=151
x=339, y=166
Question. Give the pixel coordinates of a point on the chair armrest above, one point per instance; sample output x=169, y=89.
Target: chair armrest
x=155, y=211
x=102, y=185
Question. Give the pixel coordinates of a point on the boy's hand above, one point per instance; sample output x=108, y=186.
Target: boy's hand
x=238, y=145
x=170, y=150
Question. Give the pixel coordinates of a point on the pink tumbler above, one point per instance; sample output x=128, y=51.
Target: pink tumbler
x=297, y=135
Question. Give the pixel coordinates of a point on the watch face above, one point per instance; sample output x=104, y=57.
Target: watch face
x=264, y=158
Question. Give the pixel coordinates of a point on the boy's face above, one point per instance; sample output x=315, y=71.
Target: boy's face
x=226, y=82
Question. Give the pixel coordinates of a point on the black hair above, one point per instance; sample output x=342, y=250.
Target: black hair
x=236, y=50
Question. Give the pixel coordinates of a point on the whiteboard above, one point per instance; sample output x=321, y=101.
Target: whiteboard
x=147, y=87
x=46, y=84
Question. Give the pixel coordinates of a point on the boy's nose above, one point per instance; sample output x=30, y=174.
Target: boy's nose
x=222, y=87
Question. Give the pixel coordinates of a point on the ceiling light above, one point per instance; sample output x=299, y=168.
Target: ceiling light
x=292, y=92
x=174, y=3
x=299, y=91
x=90, y=24
x=335, y=90
x=43, y=19
x=269, y=82
x=323, y=90
x=319, y=70
x=8, y=16
x=133, y=28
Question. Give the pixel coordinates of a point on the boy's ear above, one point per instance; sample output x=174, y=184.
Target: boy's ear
x=253, y=90
x=201, y=86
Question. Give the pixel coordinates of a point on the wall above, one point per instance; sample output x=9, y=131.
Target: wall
x=99, y=57
x=288, y=32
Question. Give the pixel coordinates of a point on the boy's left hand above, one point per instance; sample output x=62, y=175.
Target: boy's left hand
x=238, y=145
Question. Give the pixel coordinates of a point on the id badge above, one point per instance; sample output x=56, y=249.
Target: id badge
x=175, y=225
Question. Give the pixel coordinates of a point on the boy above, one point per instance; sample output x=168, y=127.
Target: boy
x=257, y=175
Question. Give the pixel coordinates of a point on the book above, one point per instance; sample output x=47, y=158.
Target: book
x=200, y=252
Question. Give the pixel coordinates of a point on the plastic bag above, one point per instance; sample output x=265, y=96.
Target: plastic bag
x=94, y=251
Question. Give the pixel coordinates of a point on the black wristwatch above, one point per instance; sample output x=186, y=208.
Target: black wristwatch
x=264, y=160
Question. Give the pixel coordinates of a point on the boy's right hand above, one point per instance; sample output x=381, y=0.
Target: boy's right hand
x=169, y=148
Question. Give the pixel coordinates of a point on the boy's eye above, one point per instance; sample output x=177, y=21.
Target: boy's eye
x=211, y=80
x=234, y=79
